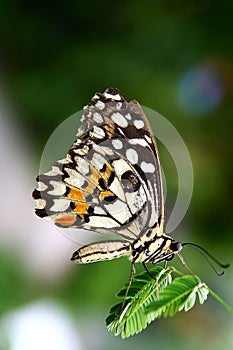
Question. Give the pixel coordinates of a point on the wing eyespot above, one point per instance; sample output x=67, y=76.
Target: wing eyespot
x=130, y=181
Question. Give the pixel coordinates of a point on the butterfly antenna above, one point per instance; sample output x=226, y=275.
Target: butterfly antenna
x=205, y=255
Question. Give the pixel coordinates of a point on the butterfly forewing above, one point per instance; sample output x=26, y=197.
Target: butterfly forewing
x=110, y=181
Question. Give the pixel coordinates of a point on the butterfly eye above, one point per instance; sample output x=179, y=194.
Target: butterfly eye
x=176, y=246
x=130, y=181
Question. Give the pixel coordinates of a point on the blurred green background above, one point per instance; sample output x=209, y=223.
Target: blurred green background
x=175, y=57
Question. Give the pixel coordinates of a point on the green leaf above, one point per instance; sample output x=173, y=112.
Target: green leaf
x=129, y=317
x=179, y=295
x=150, y=298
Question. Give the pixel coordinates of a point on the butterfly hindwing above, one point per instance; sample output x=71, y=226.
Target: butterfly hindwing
x=110, y=180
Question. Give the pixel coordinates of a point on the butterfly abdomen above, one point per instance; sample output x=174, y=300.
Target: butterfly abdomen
x=99, y=251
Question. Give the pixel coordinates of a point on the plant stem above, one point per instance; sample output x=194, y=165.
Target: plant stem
x=228, y=307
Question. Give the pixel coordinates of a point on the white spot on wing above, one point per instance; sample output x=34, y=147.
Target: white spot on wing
x=97, y=117
x=119, y=119
x=132, y=155
x=103, y=149
x=77, y=142
x=41, y=186
x=65, y=160
x=116, y=97
x=117, y=144
x=55, y=171
x=40, y=203
x=102, y=221
x=117, y=189
x=100, y=105
x=75, y=179
x=82, y=151
x=120, y=166
x=60, y=205
x=99, y=210
x=119, y=210
x=141, y=142
x=98, y=161
x=97, y=132
x=154, y=203
x=148, y=139
x=58, y=188
x=147, y=167
x=82, y=165
x=138, y=123
x=128, y=116
x=95, y=97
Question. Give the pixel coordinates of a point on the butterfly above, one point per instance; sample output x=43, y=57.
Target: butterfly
x=110, y=182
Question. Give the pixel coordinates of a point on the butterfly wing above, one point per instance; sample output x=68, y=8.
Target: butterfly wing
x=110, y=181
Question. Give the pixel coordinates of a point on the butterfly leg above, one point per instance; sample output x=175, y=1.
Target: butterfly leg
x=184, y=263
x=155, y=279
x=123, y=308
x=148, y=271
x=132, y=272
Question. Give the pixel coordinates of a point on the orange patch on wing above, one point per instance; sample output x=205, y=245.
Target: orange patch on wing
x=76, y=194
x=66, y=220
x=109, y=170
x=81, y=208
x=106, y=174
x=90, y=187
x=104, y=194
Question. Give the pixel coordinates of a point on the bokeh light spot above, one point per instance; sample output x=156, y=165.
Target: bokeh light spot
x=200, y=90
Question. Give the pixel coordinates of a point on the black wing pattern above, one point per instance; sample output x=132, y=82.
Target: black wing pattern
x=110, y=181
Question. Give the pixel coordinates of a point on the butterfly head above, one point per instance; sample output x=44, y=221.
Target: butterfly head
x=167, y=252
x=175, y=246
x=157, y=249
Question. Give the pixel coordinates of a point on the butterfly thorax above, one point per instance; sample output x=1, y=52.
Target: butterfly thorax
x=154, y=247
